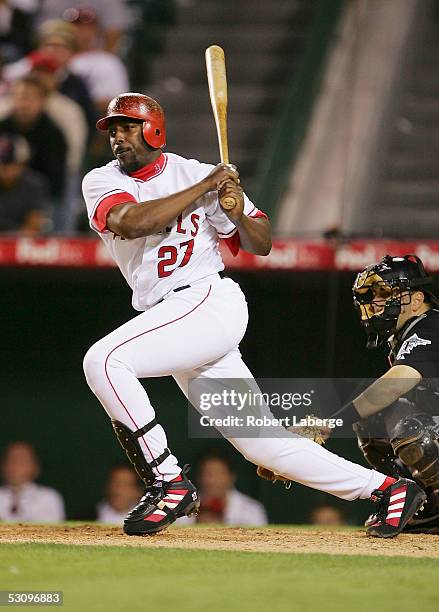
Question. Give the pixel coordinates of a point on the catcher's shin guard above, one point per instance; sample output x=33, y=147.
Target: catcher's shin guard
x=414, y=441
x=129, y=442
x=162, y=504
x=427, y=519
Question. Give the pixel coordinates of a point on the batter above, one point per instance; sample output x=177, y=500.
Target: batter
x=160, y=215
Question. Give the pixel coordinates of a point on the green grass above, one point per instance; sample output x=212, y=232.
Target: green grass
x=119, y=579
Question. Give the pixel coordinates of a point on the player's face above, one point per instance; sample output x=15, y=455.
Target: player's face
x=372, y=295
x=123, y=489
x=19, y=465
x=127, y=144
x=215, y=478
x=382, y=298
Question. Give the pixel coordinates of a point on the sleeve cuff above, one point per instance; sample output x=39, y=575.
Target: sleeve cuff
x=257, y=214
x=233, y=244
x=104, y=207
x=233, y=240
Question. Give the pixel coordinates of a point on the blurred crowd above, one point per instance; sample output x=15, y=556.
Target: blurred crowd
x=61, y=62
x=22, y=498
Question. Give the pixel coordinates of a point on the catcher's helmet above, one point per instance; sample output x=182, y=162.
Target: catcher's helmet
x=138, y=106
x=379, y=291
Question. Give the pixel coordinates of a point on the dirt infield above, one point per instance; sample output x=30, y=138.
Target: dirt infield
x=280, y=540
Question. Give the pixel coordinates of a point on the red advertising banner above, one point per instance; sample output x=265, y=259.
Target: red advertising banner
x=287, y=254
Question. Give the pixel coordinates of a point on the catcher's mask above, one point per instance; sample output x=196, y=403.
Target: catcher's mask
x=383, y=288
x=140, y=107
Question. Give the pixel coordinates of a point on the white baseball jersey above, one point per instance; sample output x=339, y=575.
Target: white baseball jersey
x=178, y=255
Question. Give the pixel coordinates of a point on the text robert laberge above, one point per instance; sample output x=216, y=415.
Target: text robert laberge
x=265, y=421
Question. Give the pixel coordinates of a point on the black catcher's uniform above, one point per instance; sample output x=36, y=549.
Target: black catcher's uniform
x=417, y=345
x=402, y=439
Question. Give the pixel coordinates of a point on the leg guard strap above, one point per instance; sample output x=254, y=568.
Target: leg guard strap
x=143, y=430
x=160, y=458
x=129, y=441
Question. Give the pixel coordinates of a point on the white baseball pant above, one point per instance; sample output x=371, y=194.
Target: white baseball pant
x=195, y=333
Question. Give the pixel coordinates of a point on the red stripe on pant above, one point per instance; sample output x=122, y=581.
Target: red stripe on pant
x=134, y=338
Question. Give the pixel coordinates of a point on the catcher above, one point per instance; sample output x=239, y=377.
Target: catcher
x=399, y=434
x=393, y=417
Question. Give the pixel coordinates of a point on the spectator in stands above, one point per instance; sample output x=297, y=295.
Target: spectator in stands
x=115, y=17
x=221, y=502
x=29, y=119
x=57, y=42
x=4, y=85
x=16, y=22
x=21, y=499
x=327, y=514
x=63, y=111
x=103, y=72
x=18, y=211
x=71, y=120
x=122, y=494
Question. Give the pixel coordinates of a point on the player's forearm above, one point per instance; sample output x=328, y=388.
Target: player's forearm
x=147, y=218
x=131, y=220
x=254, y=234
x=380, y=394
x=385, y=391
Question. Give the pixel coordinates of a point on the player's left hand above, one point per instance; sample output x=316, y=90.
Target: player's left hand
x=232, y=189
x=318, y=434
x=267, y=474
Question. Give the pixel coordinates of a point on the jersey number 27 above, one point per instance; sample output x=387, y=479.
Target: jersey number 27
x=169, y=254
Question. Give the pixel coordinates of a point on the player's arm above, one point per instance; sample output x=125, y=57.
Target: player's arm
x=395, y=383
x=254, y=233
x=132, y=220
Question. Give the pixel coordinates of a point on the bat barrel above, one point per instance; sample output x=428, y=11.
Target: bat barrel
x=217, y=80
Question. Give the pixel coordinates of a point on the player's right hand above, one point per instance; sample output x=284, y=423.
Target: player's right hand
x=220, y=175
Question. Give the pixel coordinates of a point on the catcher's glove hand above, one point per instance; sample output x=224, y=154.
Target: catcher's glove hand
x=267, y=474
x=317, y=433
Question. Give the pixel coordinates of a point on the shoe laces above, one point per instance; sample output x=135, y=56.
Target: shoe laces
x=155, y=491
x=381, y=498
x=152, y=494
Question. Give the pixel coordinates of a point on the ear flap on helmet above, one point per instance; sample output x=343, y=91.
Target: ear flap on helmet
x=154, y=132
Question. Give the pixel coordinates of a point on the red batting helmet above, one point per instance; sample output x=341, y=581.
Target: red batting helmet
x=138, y=106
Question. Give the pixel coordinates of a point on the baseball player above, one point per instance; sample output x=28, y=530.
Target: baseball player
x=398, y=434
x=161, y=217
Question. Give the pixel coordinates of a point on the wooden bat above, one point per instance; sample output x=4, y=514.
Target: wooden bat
x=217, y=80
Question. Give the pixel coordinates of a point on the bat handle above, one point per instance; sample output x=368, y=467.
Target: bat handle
x=228, y=202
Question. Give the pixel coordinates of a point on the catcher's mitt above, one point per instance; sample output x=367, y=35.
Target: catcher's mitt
x=318, y=434
x=267, y=474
